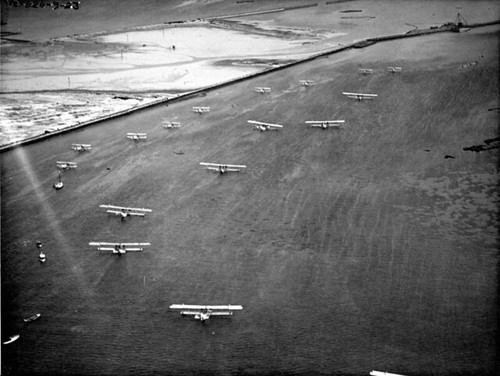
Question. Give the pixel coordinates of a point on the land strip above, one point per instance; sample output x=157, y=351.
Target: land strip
x=449, y=27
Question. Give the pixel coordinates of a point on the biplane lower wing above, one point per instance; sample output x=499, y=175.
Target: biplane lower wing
x=119, y=212
x=114, y=250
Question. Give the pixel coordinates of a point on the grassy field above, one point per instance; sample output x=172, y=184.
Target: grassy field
x=353, y=249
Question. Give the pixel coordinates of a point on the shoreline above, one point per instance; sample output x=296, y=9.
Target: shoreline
x=186, y=95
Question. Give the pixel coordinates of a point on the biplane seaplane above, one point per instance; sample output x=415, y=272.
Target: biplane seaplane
x=65, y=165
x=394, y=69
x=365, y=71
x=264, y=126
x=306, y=82
x=262, y=90
x=360, y=96
x=81, y=147
x=137, y=136
x=325, y=123
x=204, y=312
x=170, y=124
x=201, y=110
x=124, y=211
x=223, y=168
x=119, y=248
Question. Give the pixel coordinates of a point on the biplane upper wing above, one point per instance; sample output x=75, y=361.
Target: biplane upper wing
x=259, y=123
x=129, y=247
x=112, y=207
x=228, y=307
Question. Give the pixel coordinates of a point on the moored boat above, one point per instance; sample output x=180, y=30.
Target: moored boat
x=33, y=317
x=12, y=339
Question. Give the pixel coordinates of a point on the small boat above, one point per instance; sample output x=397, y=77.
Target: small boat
x=42, y=257
x=33, y=317
x=59, y=184
x=11, y=339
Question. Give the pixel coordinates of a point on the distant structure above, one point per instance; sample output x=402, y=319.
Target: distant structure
x=460, y=21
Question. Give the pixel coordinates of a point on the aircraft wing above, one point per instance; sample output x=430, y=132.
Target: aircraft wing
x=124, y=207
x=265, y=124
x=378, y=373
x=221, y=164
x=325, y=121
x=235, y=166
x=360, y=94
x=99, y=244
x=216, y=313
x=212, y=307
x=117, y=212
x=112, y=249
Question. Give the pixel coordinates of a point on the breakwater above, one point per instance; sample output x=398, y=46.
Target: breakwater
x=449, y=27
